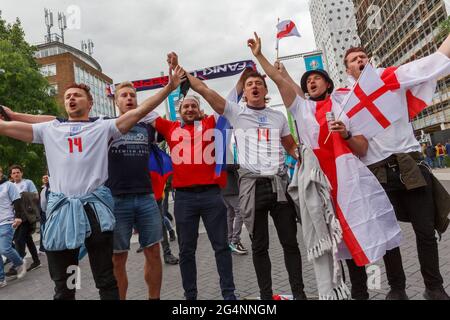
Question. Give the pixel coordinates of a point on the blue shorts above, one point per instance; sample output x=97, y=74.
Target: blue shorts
x=141, y=212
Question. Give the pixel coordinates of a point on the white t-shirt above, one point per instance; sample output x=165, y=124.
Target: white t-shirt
x=77, y=153
x=304, y=113
x=26, y=186
x=258, y=136
x=8, y=194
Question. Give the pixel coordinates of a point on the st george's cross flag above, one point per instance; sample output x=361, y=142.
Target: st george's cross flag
x=366, y=216
x=287, y=28
x=370, y=105
x=379, y=97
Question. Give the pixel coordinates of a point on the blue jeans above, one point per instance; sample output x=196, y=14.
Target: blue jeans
x=430, y=162
x=441, y=162
x=6, y=249
x=189, y=207
x=141, y=211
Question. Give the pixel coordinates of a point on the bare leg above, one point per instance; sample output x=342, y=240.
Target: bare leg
x=120, y=272
x=153, y=271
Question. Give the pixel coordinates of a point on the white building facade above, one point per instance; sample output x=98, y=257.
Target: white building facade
x=334, y=26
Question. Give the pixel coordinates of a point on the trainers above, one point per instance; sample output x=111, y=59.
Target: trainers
x=397, y=294
x=21, y=271
x=238, y=248
x=436, y=294
x=139, y=250
x=172, y=235
x=3, y=283
x=300, y=296
x=11, y=274
x=171, y=259
x=6, y=261
x=34, y=265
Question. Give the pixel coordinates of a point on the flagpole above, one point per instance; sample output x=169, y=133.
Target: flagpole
x=278, y=43
x=348, y=97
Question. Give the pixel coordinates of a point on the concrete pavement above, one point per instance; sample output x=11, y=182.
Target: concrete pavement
x=37, y=284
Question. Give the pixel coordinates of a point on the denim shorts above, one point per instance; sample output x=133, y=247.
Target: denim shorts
x=138, y=211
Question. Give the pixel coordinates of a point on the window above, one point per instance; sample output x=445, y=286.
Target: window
x=53, y=89
x=48, y=70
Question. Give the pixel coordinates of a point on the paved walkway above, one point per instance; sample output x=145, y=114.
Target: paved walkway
x=37, y=283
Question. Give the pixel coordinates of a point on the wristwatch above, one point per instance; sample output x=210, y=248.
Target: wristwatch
x=349, y=135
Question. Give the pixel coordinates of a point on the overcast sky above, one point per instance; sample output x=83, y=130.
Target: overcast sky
x=133, y=37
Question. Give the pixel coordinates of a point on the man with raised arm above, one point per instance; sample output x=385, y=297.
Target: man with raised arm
x=362, y=207
x=80, y=207
x=394, y=156
x=262, y=134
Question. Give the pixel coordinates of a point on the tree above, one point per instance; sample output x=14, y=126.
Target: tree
x=444, y=31
x=23, y=89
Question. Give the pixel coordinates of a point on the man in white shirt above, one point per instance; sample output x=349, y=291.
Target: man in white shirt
x=80, y=206
x=9, y=220
x=262, y=135
x=413, y=204
x=23, y=235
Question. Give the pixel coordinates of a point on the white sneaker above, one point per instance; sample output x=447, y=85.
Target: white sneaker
x=3, y=283
x=21, y=271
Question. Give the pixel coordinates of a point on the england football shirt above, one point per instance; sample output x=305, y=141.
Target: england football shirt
x=8, y=194
x=77, y=153
x=26, y=186
x=258, y=135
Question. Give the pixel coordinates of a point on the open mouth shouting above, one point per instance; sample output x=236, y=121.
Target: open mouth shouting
x=313, y=88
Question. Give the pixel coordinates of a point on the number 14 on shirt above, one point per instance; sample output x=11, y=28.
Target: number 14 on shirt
x=75, y=143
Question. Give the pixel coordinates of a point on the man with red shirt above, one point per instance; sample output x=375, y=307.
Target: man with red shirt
x=197, y=193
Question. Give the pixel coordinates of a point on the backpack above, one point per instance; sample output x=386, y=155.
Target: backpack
x=31, y=207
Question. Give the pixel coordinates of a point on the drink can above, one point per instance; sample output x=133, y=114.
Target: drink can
x=330, y=117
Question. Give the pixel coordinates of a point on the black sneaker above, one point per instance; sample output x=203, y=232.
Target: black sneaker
x=11, y=274
x=171, y=259
x=139, y=250
x=301, y=296
x=396, y=294
x=436, y=294
x=172, y=235
x=34, y=265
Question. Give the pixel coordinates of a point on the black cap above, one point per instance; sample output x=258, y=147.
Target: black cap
x=323, y=73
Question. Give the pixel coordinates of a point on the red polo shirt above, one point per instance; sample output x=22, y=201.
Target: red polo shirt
x=192, y=152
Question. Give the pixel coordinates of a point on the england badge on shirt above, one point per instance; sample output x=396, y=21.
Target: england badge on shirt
x=263, y=120
x=75, y=130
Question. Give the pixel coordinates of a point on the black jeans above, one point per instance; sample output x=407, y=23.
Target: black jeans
x=394, y=272
x=23, y=238
x=189, y=207
x=100, y=249
x=416, y=206
x=284, y=218
x=165, y=242
x=43, y=220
